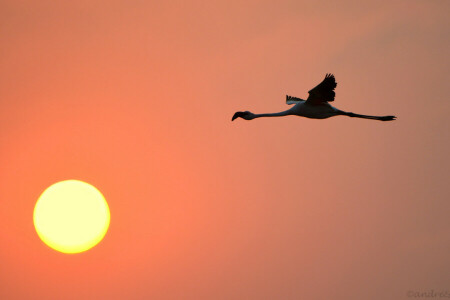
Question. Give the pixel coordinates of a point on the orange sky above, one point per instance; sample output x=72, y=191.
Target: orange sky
x=136, y=98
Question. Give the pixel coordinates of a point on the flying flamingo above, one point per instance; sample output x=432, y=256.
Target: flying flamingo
x=315, y=107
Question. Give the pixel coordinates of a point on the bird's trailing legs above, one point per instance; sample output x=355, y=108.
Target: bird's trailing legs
x=380, y=118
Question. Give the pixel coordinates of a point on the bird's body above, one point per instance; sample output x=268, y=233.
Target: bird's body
x=315, y=107
x=320, y=111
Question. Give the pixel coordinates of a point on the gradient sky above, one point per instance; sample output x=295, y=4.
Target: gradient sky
x=136, y=98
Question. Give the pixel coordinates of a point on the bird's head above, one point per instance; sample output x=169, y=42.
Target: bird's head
x=246, y=115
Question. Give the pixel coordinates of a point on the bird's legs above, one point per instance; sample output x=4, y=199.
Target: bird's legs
x=380, y=118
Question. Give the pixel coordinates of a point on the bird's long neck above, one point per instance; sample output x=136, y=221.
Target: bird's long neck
x=278, y=114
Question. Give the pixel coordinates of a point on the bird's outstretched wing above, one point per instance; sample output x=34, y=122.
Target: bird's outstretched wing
x=292, y=100
x=324, y=92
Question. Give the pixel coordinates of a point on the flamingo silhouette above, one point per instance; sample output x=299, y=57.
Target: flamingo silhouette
x=315, y=107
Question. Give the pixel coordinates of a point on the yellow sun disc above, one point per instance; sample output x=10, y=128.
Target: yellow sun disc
x=71, y=216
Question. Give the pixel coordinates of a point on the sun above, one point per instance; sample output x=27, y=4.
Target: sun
x=71, y=216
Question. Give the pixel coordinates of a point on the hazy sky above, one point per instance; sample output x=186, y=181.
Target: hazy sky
x=136, y=98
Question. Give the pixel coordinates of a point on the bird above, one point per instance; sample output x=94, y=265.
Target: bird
x=316, y=106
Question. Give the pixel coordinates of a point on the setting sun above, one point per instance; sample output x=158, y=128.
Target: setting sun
x=71, y=216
